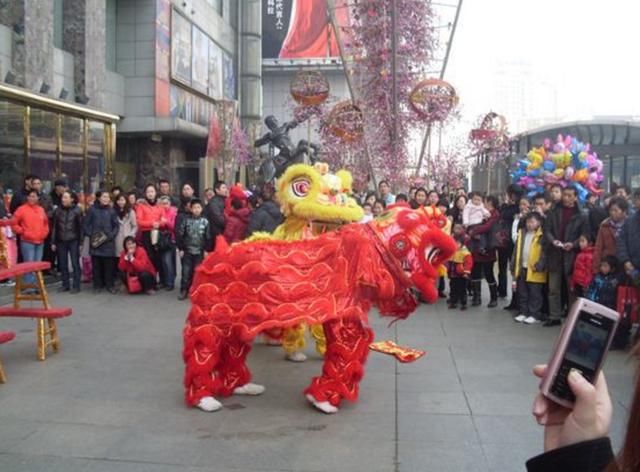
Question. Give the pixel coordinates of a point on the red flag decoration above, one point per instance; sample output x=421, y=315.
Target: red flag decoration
x=214, y=141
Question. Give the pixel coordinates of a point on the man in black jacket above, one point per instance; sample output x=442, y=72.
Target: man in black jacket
x=563, y=227
x=20, y=196
x=508, y=210
x=215, y=210
x=267, y=217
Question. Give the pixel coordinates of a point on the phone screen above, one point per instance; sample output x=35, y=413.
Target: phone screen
x=585, y=350
x=587, y=344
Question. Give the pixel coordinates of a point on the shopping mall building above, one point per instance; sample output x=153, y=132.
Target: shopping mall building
x=105, y=92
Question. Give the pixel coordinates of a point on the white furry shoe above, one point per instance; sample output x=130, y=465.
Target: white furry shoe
x=324, y=407
x=297, y=356
x=209, y=404
x=249, y=389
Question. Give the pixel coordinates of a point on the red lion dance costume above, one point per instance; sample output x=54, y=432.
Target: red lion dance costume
x=333, y=279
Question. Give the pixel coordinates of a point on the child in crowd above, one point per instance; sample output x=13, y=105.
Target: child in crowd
x=529, y=269
x=459, y=270
x=368, y=213
x=378, y=208
x=194, y=239
x=474, y=214
x=555, y=194
x=541, y=204
x=583, y=266
x=518, y=220
x=604, y=286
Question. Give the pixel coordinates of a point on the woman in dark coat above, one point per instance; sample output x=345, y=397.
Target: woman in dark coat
x=66, y=235
x=484, y=257
x=101, y=225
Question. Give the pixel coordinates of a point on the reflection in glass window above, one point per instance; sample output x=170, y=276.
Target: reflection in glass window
x=633, y=171
x=96, y=161
x=617, y=170
x=43, y=146
x=72, y=153
x=11, y=146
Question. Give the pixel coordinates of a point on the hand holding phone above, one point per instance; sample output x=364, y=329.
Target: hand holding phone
x=589, y=419
x=582, y=345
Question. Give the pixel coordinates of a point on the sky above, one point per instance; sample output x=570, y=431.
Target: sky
x=585, y=52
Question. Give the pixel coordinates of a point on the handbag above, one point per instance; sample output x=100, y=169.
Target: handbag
x=98, y=239
x=133, y=283
x=499, y=236
x=164, y=241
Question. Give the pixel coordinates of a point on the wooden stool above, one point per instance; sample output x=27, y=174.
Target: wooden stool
x=47, y=334
x=5, y=337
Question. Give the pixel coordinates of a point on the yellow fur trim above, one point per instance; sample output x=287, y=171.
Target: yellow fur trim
x=293, y=339
x=347, y=180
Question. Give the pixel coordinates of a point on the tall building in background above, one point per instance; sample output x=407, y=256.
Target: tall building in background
x=122, y=91
x=521, y=94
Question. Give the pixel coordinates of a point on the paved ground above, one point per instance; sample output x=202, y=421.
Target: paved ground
x=111, y=400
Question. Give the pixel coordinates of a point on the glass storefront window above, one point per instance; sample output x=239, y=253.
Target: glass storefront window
x=43, y=132
x=72, y=166
x=11, y=146
x=96, y=161
x=633, y=171
x=617, y=170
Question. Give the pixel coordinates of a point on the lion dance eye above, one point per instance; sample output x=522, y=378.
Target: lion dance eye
x=300, y=187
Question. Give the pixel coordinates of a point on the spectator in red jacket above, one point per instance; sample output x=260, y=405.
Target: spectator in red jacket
x=237, y=221
x=135, y=262
x=151, y=218
x=583, y=266
x=31, y=224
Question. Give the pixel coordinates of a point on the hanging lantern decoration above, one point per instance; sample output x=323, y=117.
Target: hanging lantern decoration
x=491, y=135
x=433, y=99
x=345, y=121
x=309, y=88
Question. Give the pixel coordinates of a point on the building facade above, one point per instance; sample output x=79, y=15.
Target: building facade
x=157, y=70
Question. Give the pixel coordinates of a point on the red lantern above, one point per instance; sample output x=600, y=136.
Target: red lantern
x=346, y=121
x=309, y=88
x=433, y=99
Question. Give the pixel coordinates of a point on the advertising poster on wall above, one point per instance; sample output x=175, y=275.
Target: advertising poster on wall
x=229, y=77
x=163, y=56
x=181, y=48
x=200, y=61
x=215, y=71
x=299, y=29
x=190, y=107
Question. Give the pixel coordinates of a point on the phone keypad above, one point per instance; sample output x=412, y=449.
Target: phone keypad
x=561, y=387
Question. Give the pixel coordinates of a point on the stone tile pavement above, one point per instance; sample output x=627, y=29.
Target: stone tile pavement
x=111, y=400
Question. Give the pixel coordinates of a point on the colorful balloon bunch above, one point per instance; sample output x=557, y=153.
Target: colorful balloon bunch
x=568, y=162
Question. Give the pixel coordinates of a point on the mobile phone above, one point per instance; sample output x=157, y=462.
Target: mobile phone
x=582, y=344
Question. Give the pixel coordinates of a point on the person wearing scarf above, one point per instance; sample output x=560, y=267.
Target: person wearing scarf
x=609, y=232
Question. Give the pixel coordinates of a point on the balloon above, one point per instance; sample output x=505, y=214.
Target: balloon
x=581, y=175
x=549, y=166
x=532, y=186
x=582, y=192
x=533, y=172
x=599, y=165
x=551, y=179
x=559, y=173
x=569, y=172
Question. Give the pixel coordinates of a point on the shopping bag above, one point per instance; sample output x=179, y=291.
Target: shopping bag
x=133, y=283
x=627, y=302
